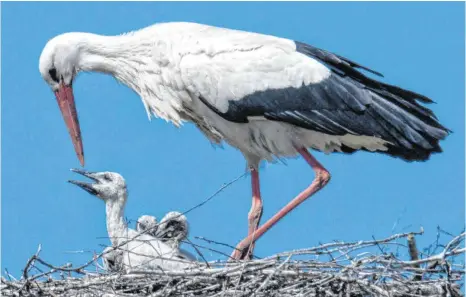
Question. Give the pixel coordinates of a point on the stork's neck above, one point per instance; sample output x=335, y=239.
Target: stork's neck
x=141, y=61
x=116, y=225
x=120, y=56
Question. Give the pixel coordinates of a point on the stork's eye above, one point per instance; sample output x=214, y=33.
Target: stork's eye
x=53, y=74
x=107, y=177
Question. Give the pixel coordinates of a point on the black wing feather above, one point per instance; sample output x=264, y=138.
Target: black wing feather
x=345, y=66
x=348, y=102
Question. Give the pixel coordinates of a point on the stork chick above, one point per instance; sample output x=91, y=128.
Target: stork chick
x=173, y=228
x=112, y=259
x=139, y=251
x=147, y=222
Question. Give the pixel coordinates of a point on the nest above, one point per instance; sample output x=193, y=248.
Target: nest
x=386, y=267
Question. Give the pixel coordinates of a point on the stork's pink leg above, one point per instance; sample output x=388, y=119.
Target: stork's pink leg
x=322, y=177
x=255, y=213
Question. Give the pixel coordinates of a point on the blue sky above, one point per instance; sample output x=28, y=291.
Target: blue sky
x=419, y=46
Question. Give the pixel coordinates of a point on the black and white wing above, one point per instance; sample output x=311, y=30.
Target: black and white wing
x=252, y=75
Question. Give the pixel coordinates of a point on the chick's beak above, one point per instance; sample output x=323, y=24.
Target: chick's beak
x=89, y=187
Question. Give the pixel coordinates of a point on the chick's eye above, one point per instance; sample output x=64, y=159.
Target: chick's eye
x=53, y=74
x=107, y=177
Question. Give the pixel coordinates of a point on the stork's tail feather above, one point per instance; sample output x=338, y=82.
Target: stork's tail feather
x=413, y=131
x=412, y=155
x=399, y=152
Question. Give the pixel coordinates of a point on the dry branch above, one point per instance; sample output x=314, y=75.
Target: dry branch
x=357, y=269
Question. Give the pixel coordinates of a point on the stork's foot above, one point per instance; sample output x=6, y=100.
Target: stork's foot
x=243, y=250
x=254, y=217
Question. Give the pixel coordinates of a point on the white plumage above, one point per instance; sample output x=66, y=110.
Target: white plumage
x=170, y=65
x=267, y=96
x=133, y=250
x=147, y=222
x=173, y=229
x=112, y=259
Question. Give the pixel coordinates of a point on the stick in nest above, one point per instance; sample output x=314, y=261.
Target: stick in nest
x=335, y=269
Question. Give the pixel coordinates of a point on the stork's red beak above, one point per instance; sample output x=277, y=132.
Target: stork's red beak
x=65, y=100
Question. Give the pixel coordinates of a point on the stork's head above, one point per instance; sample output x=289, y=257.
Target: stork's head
x=147, y=222
x=173, y=228
x=107, y=185
x=58, y=65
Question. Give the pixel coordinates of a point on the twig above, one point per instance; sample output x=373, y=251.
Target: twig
x=334, y=269
x=267, y=280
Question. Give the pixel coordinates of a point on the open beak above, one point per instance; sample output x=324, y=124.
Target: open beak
x=85, y=186
x=65, y=100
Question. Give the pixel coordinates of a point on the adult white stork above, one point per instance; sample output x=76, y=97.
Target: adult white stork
x=267, y=96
